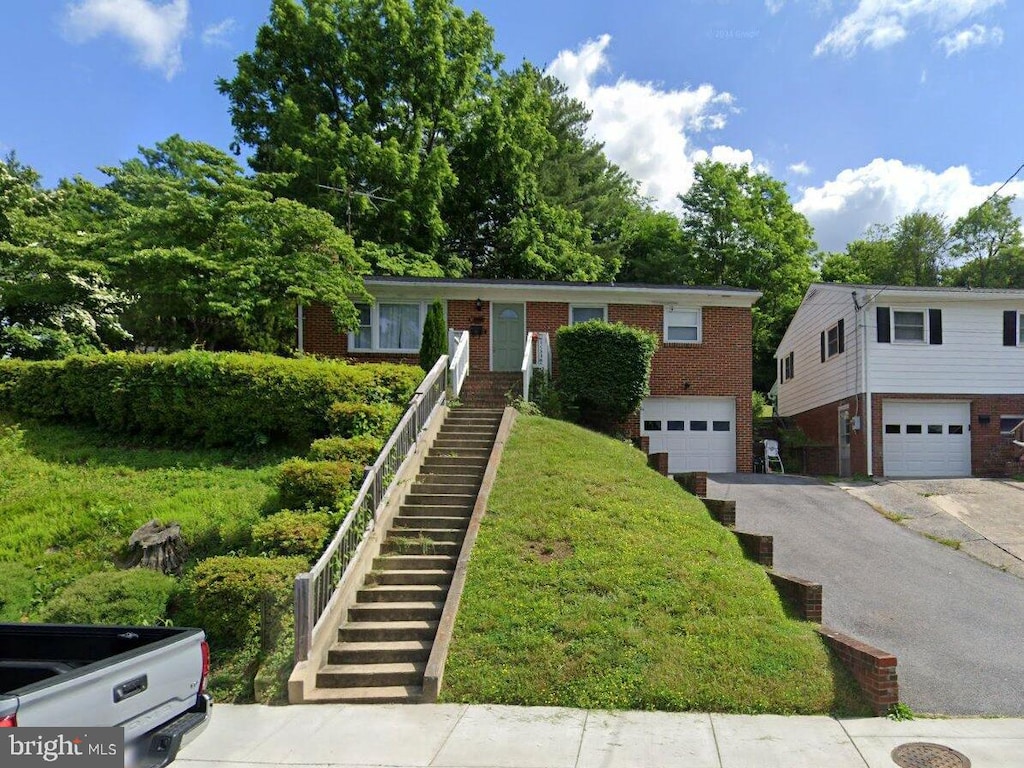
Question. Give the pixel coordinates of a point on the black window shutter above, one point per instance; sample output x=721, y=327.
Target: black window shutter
x=934, y=326
x=1010, y=328
x=842, y=336
x=792, y=365
x=882, y=315
x=823, y=346
x=781, y=364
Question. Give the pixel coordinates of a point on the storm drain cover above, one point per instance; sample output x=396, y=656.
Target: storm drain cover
x=919, y=754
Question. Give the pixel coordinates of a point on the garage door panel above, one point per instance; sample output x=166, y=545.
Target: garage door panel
x=926, y=439
x=696, y=433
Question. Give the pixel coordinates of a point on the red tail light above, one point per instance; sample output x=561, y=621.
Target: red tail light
x=9, y=721
x=206, y=667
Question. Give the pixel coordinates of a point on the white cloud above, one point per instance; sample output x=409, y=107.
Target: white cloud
x=154, y=31
x=646, y=129
x=217, y=34
x=882, y=191
x=882, y=23
x=975, y=35
x=800, y=169
x=774, y=6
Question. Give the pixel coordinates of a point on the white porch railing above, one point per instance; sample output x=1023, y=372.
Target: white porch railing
x=316, y=590
x=536, y=355
x=458, y=353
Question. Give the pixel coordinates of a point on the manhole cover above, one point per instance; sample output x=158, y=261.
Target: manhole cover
x=919, y=754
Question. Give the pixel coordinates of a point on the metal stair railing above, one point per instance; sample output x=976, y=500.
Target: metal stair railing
x=317, y=589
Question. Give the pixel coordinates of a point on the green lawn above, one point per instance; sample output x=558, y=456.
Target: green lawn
x=70, y=498
x=597, y=583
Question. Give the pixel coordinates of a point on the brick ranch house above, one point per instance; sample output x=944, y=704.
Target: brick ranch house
x=907, y=382
x=699, y=409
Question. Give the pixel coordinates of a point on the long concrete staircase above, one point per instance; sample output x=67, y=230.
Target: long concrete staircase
x=382, y=649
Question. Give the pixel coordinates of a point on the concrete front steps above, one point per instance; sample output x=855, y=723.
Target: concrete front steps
x=383, y=647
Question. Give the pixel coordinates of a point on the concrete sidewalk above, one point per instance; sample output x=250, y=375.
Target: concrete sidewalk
x=484, y=736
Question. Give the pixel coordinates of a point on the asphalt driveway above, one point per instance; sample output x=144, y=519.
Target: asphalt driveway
x=955, y=624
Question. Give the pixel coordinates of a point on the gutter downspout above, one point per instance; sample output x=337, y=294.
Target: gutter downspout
x=868, y=417
x=301, y=340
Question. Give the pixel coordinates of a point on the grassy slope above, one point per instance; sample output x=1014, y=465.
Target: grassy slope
x=69, y=499
x=597, y=583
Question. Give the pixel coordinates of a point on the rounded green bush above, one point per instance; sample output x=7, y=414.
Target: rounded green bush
x=306, y=484
x=347, y=419
x=135, y=597
x=230, y=597
x=361, y=450
x=302, y=534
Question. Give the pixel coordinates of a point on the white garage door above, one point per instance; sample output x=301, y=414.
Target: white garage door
x=926, y=439
x=698, y=433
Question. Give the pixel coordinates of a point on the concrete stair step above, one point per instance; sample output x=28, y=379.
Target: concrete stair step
x=425, y=576
x=446, y=488
x=370, y=675
x=472, y=429
x=481, y=454
x=416, y=611
x=455, y=443
x=444, y=466
x=384, y=631
x=424, y=547
x=380, y=652
x=402, y=593
x=423, y=536
x=382, y=694
x=413, y=562
x=432, y=510
x=457, y=500
x=449, y=521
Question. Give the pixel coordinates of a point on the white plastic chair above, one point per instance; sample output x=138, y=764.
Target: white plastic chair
x=771, y=453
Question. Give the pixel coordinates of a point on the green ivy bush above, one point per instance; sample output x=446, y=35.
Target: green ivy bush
x=303, y=484
x=348, y=419
x=201, y=397
x=135, y=597
x=302, y=534
x=604, y=371
x=362, y=450
x=229, y=596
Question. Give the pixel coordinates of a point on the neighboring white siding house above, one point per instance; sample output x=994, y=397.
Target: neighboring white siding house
x=853, y=349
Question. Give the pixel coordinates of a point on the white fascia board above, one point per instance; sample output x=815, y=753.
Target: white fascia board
x=582, y=293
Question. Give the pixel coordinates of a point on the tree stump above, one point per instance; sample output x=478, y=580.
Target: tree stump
x=158, y=547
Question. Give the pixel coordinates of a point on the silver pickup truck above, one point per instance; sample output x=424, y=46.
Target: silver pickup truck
x=150, y=681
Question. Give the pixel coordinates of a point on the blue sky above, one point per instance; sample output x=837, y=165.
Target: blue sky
x=867, y=109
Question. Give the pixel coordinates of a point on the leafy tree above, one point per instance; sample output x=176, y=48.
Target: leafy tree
x=54, y=301
x=363, y=96
x=212, y=258
x=842, y=268
x=987, y=240
x=655, y=249
x=744, y=232
x=917, y=250
x=435, y=336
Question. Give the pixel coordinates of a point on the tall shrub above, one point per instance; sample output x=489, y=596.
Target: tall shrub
x=435, y=336
x=604, y=371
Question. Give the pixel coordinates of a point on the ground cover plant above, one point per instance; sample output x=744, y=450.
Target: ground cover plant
x=597, y=583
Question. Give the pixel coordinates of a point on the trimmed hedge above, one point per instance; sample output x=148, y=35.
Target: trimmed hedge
x=302, y=534
x=205, y=397
x=135, y=597
x=228, y=596
x=604, y=370
x=349, y=419
x=361, y=450
x=303, y=484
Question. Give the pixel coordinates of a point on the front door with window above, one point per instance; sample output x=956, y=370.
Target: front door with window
x=508, y=336
x=844, y=441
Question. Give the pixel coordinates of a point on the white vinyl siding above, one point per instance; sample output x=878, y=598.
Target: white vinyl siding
x=970, y=360
x=815, y=383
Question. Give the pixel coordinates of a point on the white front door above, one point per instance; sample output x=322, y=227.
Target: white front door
x=697, y=433
x=926, y=439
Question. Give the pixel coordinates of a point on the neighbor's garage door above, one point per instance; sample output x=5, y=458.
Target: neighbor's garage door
x=698, y=433
x=926, y=439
